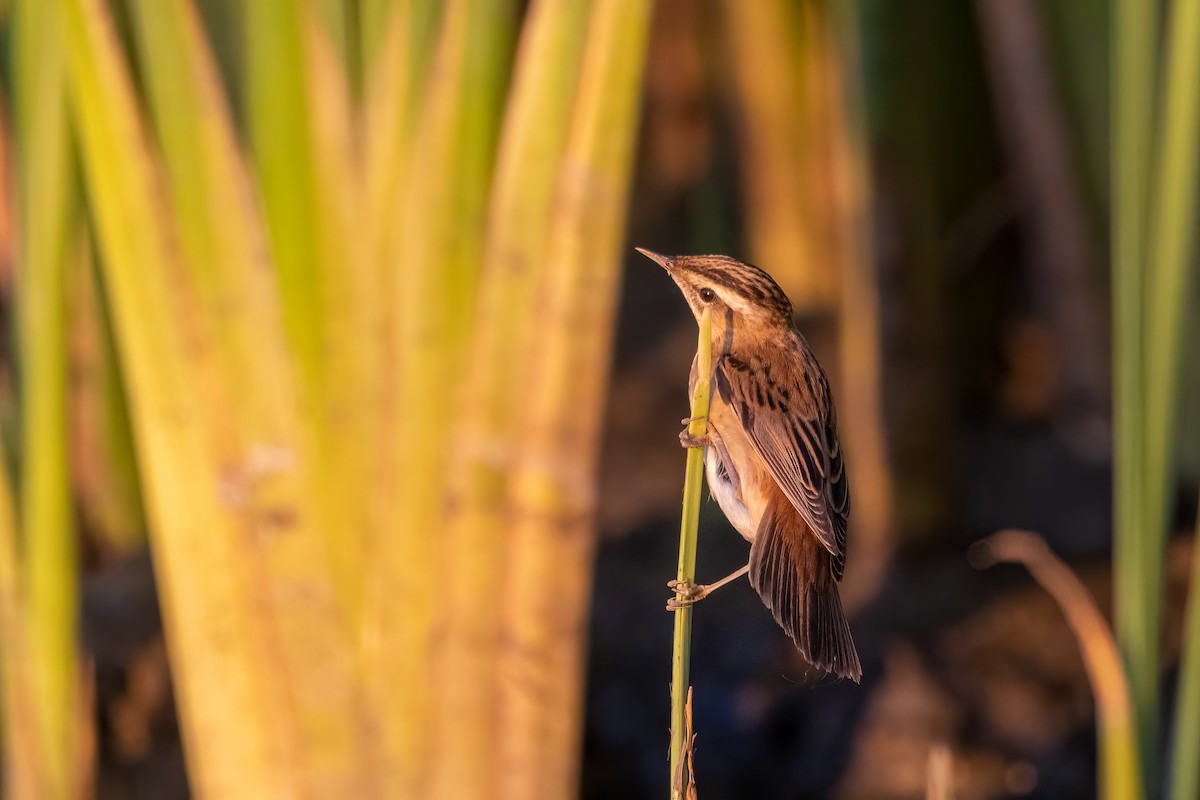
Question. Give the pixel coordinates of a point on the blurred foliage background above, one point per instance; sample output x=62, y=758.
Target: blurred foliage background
x=339, y=418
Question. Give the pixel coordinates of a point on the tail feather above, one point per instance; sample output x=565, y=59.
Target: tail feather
x=793, y=575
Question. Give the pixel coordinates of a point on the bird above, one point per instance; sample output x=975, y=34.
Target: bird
x=771, y=455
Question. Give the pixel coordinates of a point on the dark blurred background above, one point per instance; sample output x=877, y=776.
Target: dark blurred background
x=986, y=127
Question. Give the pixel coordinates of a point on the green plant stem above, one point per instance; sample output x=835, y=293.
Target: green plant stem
x=1170, y=248
x=1167, y=294
x=689, y=523
x=1137, y=605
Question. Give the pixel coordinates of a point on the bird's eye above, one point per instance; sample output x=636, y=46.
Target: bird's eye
x=707, y=295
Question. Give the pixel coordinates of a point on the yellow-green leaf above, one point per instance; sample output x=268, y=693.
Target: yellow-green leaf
x=45, y=505
x=550, y=544
x=486, y=436
x=442, y=221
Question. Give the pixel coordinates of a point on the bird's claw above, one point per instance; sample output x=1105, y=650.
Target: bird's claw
x=686, y=593
x=687, y=588
x=690, y=441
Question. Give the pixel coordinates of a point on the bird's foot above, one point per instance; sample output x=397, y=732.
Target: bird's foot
x=686, y=593
x=690, y=441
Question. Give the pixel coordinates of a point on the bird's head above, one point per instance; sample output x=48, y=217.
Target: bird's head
x=738, y=294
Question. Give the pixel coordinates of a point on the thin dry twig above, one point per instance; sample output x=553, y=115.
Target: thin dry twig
x=1120, y=775
x=683, y=781
x=939, y=774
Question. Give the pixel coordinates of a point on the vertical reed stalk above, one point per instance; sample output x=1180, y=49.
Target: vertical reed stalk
x=1137, y=548
x=1171, y=244
x=688, y=527
x=1172, y=261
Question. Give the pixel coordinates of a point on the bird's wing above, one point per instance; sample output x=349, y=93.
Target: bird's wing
x=792, y=574
x=796, y=436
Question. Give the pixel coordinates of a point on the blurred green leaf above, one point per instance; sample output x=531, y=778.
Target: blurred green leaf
x=1137, y=551
x=495, y=365
x=551, y=538
x=333, y=308
x=48, y=238
x=438, y=254
x=1169, y=293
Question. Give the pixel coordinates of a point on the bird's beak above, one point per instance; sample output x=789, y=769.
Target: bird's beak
x=663, y=261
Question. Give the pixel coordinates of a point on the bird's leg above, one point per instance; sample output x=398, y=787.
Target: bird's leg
x=688, y=440
x=687, y=593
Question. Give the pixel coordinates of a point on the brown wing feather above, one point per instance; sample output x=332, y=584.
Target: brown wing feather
x=787, y=413
x=793, y=575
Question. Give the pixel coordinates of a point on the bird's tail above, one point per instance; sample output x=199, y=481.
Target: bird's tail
x=791, y=571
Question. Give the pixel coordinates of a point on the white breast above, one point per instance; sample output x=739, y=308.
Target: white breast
x=722, y=484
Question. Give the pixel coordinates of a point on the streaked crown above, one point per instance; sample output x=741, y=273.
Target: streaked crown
x=743, y=287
